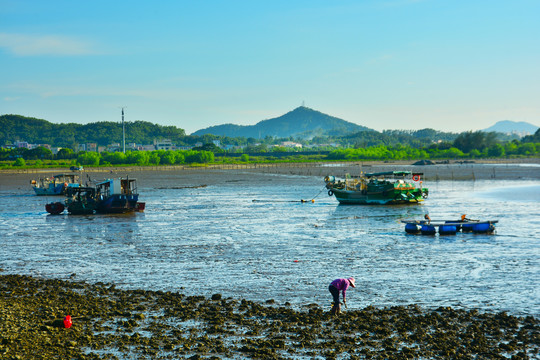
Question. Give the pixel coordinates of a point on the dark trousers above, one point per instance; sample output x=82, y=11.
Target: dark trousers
x=335, y=293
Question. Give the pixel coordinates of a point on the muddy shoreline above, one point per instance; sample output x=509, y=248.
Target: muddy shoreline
x=507, y=169
x=109, y=323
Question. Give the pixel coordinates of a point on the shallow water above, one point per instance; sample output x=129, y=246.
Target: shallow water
x=216, y=239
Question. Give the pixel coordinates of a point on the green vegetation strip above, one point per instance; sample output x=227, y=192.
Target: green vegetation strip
x=110, y=323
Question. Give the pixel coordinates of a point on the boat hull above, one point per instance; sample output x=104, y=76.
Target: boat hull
x=52, y=190
x=117, y=204
x=377, y=198
x=81, y=207
x=56, y=185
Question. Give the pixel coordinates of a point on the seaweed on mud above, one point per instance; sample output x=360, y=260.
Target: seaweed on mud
x=110, y=323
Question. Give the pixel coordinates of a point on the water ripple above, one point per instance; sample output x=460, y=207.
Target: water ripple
x=217, y=240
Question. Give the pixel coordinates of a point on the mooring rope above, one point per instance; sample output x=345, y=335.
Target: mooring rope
x=291, y=201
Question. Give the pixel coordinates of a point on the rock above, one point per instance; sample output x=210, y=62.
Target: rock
x=424, y=162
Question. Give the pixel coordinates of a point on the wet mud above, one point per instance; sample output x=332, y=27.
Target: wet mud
x=111, y=323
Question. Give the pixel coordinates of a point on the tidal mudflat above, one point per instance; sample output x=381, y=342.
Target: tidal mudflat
x=206, y=272
x=110, y=323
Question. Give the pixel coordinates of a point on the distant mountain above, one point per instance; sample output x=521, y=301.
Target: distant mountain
x=301, y=122
x=520, y=128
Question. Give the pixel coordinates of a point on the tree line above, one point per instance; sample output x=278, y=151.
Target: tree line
x=363, y=145
x=469, y=145
x=37, y=131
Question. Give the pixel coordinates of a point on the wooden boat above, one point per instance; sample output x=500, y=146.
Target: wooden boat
x=81, y=200
x=390, y=187
x=108, y=196
x=449, y=227
x=55, y=185
x=117, y=196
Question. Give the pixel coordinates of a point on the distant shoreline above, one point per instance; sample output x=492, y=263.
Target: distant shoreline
x=496, y=169
x=270, y=165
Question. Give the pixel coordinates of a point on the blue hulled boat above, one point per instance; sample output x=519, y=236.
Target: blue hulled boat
x=117, y=196
x=55, y=185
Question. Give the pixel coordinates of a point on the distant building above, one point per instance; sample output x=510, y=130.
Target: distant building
x=113, y=147
x=22, y=144
x=291, y=144
x=35, y=146
x=91, y=147
x=231, y=147
x=137, y=147
x=147, y=147
x=163, y=144
x=335, y=145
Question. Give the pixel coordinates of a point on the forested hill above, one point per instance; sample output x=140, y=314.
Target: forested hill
x=38, y=131
x=301, y=122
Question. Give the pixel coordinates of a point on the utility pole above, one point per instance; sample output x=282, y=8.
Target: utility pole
x=123, y=131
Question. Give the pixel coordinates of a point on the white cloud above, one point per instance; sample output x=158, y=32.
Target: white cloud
x=31, y=45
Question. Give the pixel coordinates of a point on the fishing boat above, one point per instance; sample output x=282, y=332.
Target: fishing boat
x=55, y=185
x=81, y=200
x=117, y=196
x=449, y=227
x=108, y=196
x=390, y=187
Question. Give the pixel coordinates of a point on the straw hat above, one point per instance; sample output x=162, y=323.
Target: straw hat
x=351, y=281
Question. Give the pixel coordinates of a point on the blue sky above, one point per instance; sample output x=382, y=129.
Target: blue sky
x=396, y=64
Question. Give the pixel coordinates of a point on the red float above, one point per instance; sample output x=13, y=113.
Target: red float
x=67, y=322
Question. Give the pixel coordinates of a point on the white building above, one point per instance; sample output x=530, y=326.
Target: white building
x=163, y=144
x=291, y=144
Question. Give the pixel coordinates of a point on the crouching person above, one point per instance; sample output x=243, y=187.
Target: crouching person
x=337, y=286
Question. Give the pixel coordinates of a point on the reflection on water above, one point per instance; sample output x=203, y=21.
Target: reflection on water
x=215, y=239
x=528, y=193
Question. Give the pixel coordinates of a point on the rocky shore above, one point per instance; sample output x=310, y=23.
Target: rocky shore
x=110, y=323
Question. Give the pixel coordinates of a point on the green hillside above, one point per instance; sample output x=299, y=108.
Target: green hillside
x=38, y=131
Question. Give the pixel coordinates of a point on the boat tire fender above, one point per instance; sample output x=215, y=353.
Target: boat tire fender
x=330, y=193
